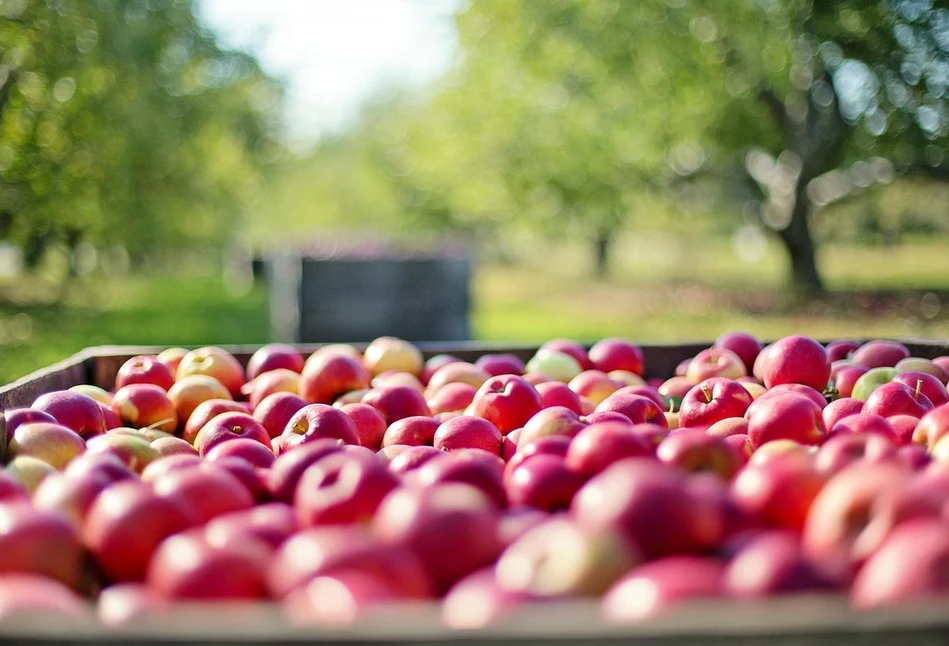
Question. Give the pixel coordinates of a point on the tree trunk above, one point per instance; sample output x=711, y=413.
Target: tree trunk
x=602, y=245
x=799, y=244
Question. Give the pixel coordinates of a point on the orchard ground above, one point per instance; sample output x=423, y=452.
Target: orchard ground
x=660, y=290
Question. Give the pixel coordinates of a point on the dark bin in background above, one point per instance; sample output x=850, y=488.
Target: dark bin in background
x=357, y=292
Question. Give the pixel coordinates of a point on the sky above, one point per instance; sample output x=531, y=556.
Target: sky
x=336, y=54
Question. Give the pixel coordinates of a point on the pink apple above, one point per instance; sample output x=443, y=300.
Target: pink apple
x=617, y=354
x=472, y=467
x=841, y=349
x=694, y=450
x=457, y=371
x=13, y=417
x=145, y=405
x=932, y=427
x=794, y=359
x=507, y=401
x=327, y=376
x=134, y=451
x=435, y=362
x=250, y=450
x=144, y=369
x=799, y=389
x=275, y=412
x=643, y=391
x=500, y=364
x=557, y=393
x=550, y=421
x=715, y=362
x=713, y=400
x=230, y=426
x=637, y=408
x=728, y=427
x=926, y=384
x=213, y=362
x=397, y=402
x=272, y=523
x=863, y=424
x=468, y=431
x=289, y=467
x=274, y=356
x=543, y=482
x=342, y=489
x=789, y=415
x=205, y=491
x=918, y=364
x=417, y=430
x=896, y=398
x=779, y=492
x=745, y=345
x=549, y=445
x=674, y=390
x=839, y=409
x=843, y=449
x=741, y=445
x=317, y=421
x=205, y=412
x=595, y=385
x=905, y=427
x=880, y=354
x=771, y=562
x=40, y=542
x=478, y=600
x=75, y=411
x=599, y=445
x=267, y=383
x=26, y=599
x=128, y=603
x=370, y=425
x=412, y=458
x=846, y=378
x=658, y=586
x=455, y=396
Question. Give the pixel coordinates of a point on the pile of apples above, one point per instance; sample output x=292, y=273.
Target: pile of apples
x=343, y=483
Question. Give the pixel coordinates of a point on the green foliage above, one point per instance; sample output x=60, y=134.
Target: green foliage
x=123, y=122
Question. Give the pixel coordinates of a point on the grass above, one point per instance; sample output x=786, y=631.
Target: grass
x=663, y=289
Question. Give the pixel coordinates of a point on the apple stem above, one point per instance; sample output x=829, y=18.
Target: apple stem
x=672, y=405
x=707, y=393
x=155, y=425
x=712, y=357
x=919, y=386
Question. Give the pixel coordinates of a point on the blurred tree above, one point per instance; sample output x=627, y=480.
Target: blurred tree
x=123, y=122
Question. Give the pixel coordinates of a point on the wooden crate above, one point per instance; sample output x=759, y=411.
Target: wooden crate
x=794, y=620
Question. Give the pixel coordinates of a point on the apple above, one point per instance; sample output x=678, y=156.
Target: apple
x=428, y=519
x=28, y=471
x=396, y=378
x=715, y=362
x=617, y=354
x=559, y=366
x=637, y=408
x=745, y=345
x=713, y=400
x=111, y=419
x=340, y=599
x=896, y=398
x=317, y=421
x=740, y=443
x=728, y=427
x=839, y=409
x=455, y=396
x=595, y=385
x=473, y=467
x=327, y=376
x=500, y=364
x=654, y=588
x=918, y=364
x=186, y=566
x=863, y=424
x=172, y=446
x=694, y=450
x=35, y=541
x=925, y=384
x=273, y=356
x=507, y=401
x=52, y=443
x=71, y=495
x=205, y=412
x=771, y=562
x=397, y=402
x=75, y=411
x=251, y=451
x=13, y=417
x=478, y=600
x=468, y=431
x=457, y=372
x=788, y=415
x=390, y=353
x=551, y=421
x=544, y=482
x=673, y=390
x=550, y=444
x=536, y=378
x=644, y=391
x=145, y=405
x=599, y=445
x=26, y=599
x=213, y=362
x=342, y=489
x=125, y=524
x=779, y=492
x=572, y=348
x=267, y=383
x=417, y=430
x=189, y=392
x=794, y=359
x=273, y=413
x=370, y=425
x=271, y=523
x=650, y=506
x=841, y=349
x=905, y=427
x=289, y=467
x=99, y=394
x=11, y=489
x=627, y=378
x=843, y=449
x=880, y=354
x=412, y=458
x=435, y=362
x=169, y=463
x=205, y=491
x=908, y=567
x=144, y=369
x=171, y=358
x=777, y=448
x=230, y=426
x=339, y=348
x=557, y=393
x=932, y=426
x=798, y=389
x=134, y=451
x=871, y=380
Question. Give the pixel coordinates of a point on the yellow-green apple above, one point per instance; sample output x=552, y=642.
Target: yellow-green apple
x=186, y=566
x=926, y=384
x=288, y=467
x=230, y=426
x=171, y=357
x=794, y=359
x=272, y=523
x=144, y=369
x=543, y=482
x=843, y=449
x=656, y=587
x=327, y=376
x=500, y=364
x=728, y=427
x=932, y=426
x=52, y=443
x=417, y=430
x=713, y=400
x=780, y=491
x=474, y=468
x=455, y=396
x=412, y=458
x=35, y=541
x=715, y=362
x=907, y=569
x=743, y=344
x=172, y=446
x=841, y=349
x=425, y=520
x=693, y=450
x=638, y=408
x=617, y=354
x=785, y=416
x=599, y=445
x=125, y=524
x=870, y=380
x=595, y=385
x=318, y=421
x=273, y=356
x=574, y=349
x=75, y=411
x=397, y=402
x=772, y=562
x=880, y=354
x=550, y=421
x=897, y=398
x=267, y=383
x=839, y=409
x=189, y=392
x=99, y=394
x=557, y=393
x=341, y=489
x=275, y=411
x=559, y=366
x=134, y=452
x=251, y=451
x=507, y=401
x=36, y=598
x=865, y=424
x=205, y=491
x=478, y=600
x=391, y=353
x=370, y=425
x=561, y=559
x=28, y=471
x=918, y=364
x=215, y=362
x=145, y=405
x=468, y=432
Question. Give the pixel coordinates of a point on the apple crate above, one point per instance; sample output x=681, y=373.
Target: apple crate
x=791, y=620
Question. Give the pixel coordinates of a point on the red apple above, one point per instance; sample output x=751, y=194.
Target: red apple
x=144, y=369
x=839, y=409
x=134, y=451
x=543, y=482
x=34, y=598
x=880, y=354
x=550, y=421
x=370, y=425
x=556, y=393
x=250, y=450
x=905, y=427
x=637, y=408
x=468, y=431
x=412, y=458
x=715, y=362
x=327, y=376
x=457, y=372
x=745, y=345
x=455, y=396
x=674, y=390
x=572, y=348
x=864, y=424
x=548, y=445
x=213, y=362
x=267, y=383
x=474, y=468
x=417, y=430
x=205, y=491
x=896, y=398
x=478, y=600
x=926, y=366
x=843, y=449
x=169, y=463
x=205, y=412
x=13, y=417
x=789, y=415
x=34, y=541
x=75, y=411
x=11, y=489
x=713, y=400
x=433, y=363
x=798, y=389
x=342, y=489
x=794, y=359
x=289, y=467
x=507, y=401
x=599, y=445
x=124, y=526
x=145, y=405
x=772, y=563
x=741, y=445
x=230, y=426
x=656, y=587
x=846, y=378
x=500, y=364
x=926, y=384
x=694, y=450
x=841, y=349
x=272, y=523
x=189, y=392
x=111, y=419
x=932, y=427
x=274, y=356
x=128, y=603
x=274, y=412
x=617, y=354
x=779, y=492
x=340, y=599
x=171, y=358
x=317, y=421
x=397, y=402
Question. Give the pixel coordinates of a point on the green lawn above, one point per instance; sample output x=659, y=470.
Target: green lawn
x=661, y=290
